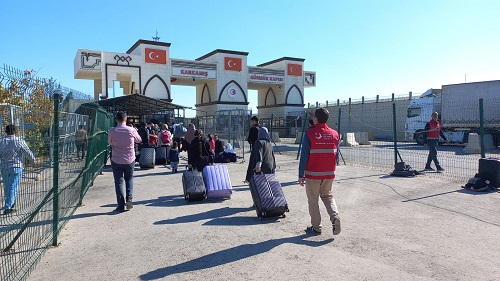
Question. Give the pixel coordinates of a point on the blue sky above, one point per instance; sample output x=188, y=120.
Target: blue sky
x=358, y=48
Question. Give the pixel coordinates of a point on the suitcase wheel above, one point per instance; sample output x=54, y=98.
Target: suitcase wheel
x=283, y=216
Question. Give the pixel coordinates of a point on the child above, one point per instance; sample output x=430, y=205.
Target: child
x=173, y=155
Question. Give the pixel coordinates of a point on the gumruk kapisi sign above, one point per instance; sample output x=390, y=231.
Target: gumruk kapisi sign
x=264, y=78
x=195, y=73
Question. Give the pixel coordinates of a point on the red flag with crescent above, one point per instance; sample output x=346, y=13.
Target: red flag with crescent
x=155, y=56
x=294, y=69
x=232, y=63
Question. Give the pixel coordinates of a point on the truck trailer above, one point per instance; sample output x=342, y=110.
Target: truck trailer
x=458, y=108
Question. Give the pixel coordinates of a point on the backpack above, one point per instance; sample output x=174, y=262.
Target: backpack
x=478, y=183
x=403, y=170
x=179, y=130
x=165, y=137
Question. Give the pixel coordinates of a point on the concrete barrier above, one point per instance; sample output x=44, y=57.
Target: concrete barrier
x=362, y=138
x=350, y=140
x=474, y=144
x=275, y=137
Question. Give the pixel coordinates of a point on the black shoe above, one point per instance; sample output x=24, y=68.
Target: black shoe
x=13, y=206
x=440, y=169
x=8, y=211
x=312, y=231
x=120, y=209
x=428, y=168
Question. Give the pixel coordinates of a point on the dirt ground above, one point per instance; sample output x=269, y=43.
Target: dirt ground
x=392, y=229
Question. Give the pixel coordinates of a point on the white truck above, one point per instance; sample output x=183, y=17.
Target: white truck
x=458, y=108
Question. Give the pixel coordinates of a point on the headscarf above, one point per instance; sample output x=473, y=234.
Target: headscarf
x=263, y=134
x=190, y=133
x=229, y=148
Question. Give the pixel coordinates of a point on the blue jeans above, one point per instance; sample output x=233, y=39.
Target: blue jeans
x=123, y=172
x=11, y=180
x=432, y=144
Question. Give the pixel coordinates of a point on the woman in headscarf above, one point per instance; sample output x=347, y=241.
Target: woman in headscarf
x=262, y=156
x=188, y=138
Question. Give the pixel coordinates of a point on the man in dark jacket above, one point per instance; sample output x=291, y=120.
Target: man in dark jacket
x=431, y=140
x=254, y=131
x=262, y=155
x=200, y=154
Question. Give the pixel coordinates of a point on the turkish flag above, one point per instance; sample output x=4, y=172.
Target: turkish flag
x=294, y=69
x=232, y=63
x=156, y=56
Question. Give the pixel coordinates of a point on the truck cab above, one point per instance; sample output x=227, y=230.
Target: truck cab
x=419, y=113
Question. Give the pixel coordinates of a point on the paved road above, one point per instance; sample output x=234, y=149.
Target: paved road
x=393, y=229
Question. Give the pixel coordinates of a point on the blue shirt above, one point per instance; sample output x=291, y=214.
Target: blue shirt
x=12, y=152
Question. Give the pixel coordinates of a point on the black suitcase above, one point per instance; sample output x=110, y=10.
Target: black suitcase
x=268, y=196
x=147, y=158
x=161, y=155
x=193, y=186
x=489, y=168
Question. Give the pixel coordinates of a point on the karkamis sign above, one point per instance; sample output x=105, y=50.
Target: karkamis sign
x=264, y=78
x=195, y=73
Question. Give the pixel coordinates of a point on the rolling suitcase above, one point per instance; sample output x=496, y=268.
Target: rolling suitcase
x=489, y=168
x=217, y=181
x=193, y=186
x=147, y=158
x=161, y=155
x=268, y=196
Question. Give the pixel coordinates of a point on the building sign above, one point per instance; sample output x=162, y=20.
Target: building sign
x=232, y=92
x=232, y=63
x=309, y=79
x=294, y=69
x=264, y=78
x=193, y=72
x=155, y=56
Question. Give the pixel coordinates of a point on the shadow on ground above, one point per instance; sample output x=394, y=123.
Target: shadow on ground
x=212, y=214
x=230, y=255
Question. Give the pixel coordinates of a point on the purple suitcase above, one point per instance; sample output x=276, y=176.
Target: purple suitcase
x=217, y=181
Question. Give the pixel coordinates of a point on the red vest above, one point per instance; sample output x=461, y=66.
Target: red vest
x=323, y=154
x=434, y=129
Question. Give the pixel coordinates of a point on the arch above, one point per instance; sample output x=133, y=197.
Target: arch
x=270, y=91
x=203, y=93
x=227, y=84
x=162, y=81
x=289, y=90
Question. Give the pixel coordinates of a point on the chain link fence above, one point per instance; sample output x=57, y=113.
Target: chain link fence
x=51, y=190
x=373, y=133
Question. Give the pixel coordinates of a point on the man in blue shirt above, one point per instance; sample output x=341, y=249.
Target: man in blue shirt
x=12, y=152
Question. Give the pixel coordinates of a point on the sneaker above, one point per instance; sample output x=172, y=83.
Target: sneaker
x=428, y=168
x=336, y=226
x=129, y=204
x=312, y=231
x=440, y=169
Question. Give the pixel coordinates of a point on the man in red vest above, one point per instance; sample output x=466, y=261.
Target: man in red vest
x=431, y=140
x=317, y=170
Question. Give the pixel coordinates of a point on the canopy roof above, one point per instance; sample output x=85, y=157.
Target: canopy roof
x=137, y=104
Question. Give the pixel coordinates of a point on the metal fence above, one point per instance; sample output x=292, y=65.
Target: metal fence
x=373, y=133
x=49, y=192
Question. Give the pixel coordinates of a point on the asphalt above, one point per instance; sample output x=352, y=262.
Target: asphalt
x=419, y=228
